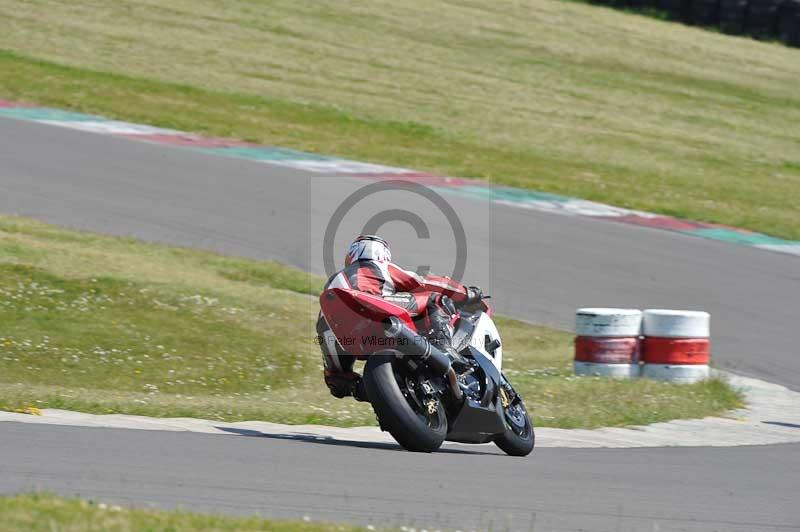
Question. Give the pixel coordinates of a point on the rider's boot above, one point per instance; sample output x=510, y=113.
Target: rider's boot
x=346, y=384
x=342, y=381
x=440, y=334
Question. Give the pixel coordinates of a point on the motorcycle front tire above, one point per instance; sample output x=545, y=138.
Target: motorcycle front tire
x=514, y=444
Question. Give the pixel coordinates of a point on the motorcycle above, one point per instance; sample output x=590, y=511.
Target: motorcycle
x=419, y=395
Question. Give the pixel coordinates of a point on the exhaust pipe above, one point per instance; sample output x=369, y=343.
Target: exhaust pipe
x=414, y=344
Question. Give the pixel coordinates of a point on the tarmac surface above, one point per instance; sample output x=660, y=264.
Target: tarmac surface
x=736, y=489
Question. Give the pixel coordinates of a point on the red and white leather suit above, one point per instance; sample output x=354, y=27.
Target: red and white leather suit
x=430, y=300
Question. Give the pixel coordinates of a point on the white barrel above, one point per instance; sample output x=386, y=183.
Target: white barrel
x=619, y=371
x=606, y=322
x=681, y=374
x=662, y=323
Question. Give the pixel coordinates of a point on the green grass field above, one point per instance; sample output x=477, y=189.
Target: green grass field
x=110, y=325
x=48, y=513
x=551, y=95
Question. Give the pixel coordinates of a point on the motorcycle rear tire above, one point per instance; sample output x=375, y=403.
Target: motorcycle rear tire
x=393, y=411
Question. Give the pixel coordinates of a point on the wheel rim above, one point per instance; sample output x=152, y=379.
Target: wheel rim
x=409, y=389
x=517, y=418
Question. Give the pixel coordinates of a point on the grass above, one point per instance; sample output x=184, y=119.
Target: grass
x=111, y=325
x=48, y=513
x=550, y=95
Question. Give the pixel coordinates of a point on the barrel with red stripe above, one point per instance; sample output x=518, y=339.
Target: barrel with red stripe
x=607, y=342
x=676, y=346
x=607, y=350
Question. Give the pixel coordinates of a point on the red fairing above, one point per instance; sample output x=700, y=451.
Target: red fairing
x=486, y=308
x=356, y=319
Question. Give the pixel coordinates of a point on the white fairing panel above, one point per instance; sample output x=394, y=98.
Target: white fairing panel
x=485, y=328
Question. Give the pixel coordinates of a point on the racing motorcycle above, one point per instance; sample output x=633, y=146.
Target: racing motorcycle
x=421, y=396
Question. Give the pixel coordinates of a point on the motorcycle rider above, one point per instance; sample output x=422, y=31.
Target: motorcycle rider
x=431, y=301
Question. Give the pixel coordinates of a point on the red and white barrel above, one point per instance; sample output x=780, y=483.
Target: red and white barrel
x=607, y=342
x=676, y=346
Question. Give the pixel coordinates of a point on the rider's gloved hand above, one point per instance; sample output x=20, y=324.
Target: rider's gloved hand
x=474, y=296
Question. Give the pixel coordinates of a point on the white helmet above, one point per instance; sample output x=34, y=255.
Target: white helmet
x=368, y=247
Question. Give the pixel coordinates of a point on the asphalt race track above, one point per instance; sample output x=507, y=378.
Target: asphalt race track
x=538, y=266
x=739, y=489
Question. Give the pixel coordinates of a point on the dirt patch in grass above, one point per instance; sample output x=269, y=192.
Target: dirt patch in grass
x=111, y=325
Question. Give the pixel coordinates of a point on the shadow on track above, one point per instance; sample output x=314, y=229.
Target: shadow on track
x=328, y=440
x=782, y=424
